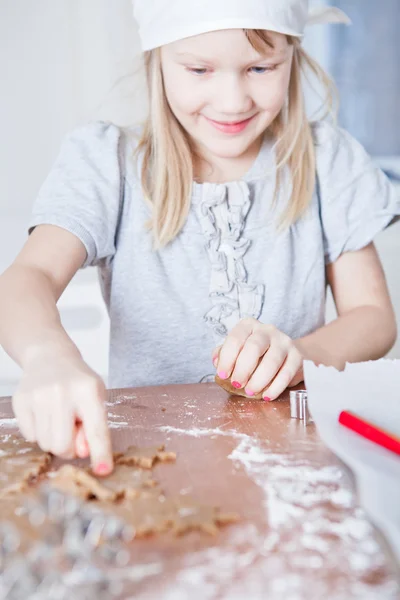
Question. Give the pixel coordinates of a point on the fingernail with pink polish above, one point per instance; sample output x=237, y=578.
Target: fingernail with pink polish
x=267, y=399
x=236, y=385
x=249, y=392
x=102, y=469
x=223, y=375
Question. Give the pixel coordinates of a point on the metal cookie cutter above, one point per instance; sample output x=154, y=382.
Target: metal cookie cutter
x=82, y=551
x=299, y=406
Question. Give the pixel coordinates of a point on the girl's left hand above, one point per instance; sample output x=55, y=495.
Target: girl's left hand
x=259, y=358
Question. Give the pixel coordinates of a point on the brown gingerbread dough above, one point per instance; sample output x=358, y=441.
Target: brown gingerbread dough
x=146, y=515
x=191, y=516
x=124, y=482
x=228, y=387
x=20, y=463
x=157, y=514
x=145, y=458
x=130, y=492
x=70, y=480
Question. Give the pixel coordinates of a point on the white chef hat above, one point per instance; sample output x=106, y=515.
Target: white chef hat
x=164, y=21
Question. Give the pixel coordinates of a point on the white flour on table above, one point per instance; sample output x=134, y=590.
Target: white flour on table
x=312, y=526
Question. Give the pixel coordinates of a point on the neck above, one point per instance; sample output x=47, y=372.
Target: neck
x=217, y=169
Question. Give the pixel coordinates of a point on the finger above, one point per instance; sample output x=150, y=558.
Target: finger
x=299, y=377
x=283, y=378
x=215, y=356
x=43, y=428
x=63, y=430
x=266, y=371
x=24, y=415
x=232, y=347
x=81, y=444
x=249, y=358
x=94, y=420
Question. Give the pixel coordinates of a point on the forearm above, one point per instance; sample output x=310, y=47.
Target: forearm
x=30, y=324
x=364, y=333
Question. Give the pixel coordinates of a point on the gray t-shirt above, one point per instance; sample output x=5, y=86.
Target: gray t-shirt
x=169, y=308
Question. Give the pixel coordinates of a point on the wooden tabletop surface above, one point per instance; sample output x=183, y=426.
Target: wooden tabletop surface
x=302, y=535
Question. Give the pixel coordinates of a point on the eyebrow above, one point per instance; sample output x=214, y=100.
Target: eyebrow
x=276, y=55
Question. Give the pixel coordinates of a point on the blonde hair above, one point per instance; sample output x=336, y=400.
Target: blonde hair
x=167, y=158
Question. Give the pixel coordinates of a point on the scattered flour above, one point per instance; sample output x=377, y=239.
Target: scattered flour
x=8, y=422
x=117, y=424
x=312, y=525
x=285, y=557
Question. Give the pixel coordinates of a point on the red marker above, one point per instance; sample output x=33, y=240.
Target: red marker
x=370, y=432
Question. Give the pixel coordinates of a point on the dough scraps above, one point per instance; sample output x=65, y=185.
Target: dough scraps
x=130, y=492
x=133, y=495
x=145, y=458
x=191, y=516
x=158, y=514
x=76, y=482
x=146, y=515
x=124, y=482
x=20, y=463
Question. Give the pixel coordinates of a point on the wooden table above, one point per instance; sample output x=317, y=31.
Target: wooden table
x=302, y=535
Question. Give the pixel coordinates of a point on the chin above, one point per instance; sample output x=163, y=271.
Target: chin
x=229, y=148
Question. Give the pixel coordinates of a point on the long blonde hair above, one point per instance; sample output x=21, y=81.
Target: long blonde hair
x=167, y=160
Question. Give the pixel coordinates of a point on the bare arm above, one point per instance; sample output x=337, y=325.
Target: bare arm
x=30, y=323
x=261, y=360
x=60, y=400
x=366, y=326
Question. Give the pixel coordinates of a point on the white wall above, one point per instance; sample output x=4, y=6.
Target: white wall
x=59, y=60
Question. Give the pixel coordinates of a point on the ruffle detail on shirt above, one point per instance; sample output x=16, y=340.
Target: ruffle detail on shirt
x=222, y=212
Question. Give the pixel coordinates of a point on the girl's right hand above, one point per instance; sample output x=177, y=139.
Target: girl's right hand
x=60, y=404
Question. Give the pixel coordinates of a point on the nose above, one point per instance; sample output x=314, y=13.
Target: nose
x=232, y=96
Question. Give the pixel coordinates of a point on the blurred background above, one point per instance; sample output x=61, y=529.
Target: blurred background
x=63, y=62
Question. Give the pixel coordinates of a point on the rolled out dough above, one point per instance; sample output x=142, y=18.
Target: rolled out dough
x=124, y=482
x=228, y=387
x=158, y=514
x=20, y=463
x=145, y=458
x=130, y=492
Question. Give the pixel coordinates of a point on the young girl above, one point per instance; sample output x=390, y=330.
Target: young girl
x=220, y=228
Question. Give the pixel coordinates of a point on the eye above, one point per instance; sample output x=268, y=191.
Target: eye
x=262, y=70
x=197, y=71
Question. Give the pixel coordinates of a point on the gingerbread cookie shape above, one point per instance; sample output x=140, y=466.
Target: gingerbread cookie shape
x=191, y=516
x=124, y=482
x=130, y=492
x=77, y=482
x=158, y=514
x=146, y=515
x=145, y=458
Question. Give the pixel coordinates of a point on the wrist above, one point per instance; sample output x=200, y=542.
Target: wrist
x=311, y=349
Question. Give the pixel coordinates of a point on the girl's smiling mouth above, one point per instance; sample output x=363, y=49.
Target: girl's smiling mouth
x=230, y=126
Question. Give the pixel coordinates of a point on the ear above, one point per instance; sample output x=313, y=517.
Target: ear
x=228, y=387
